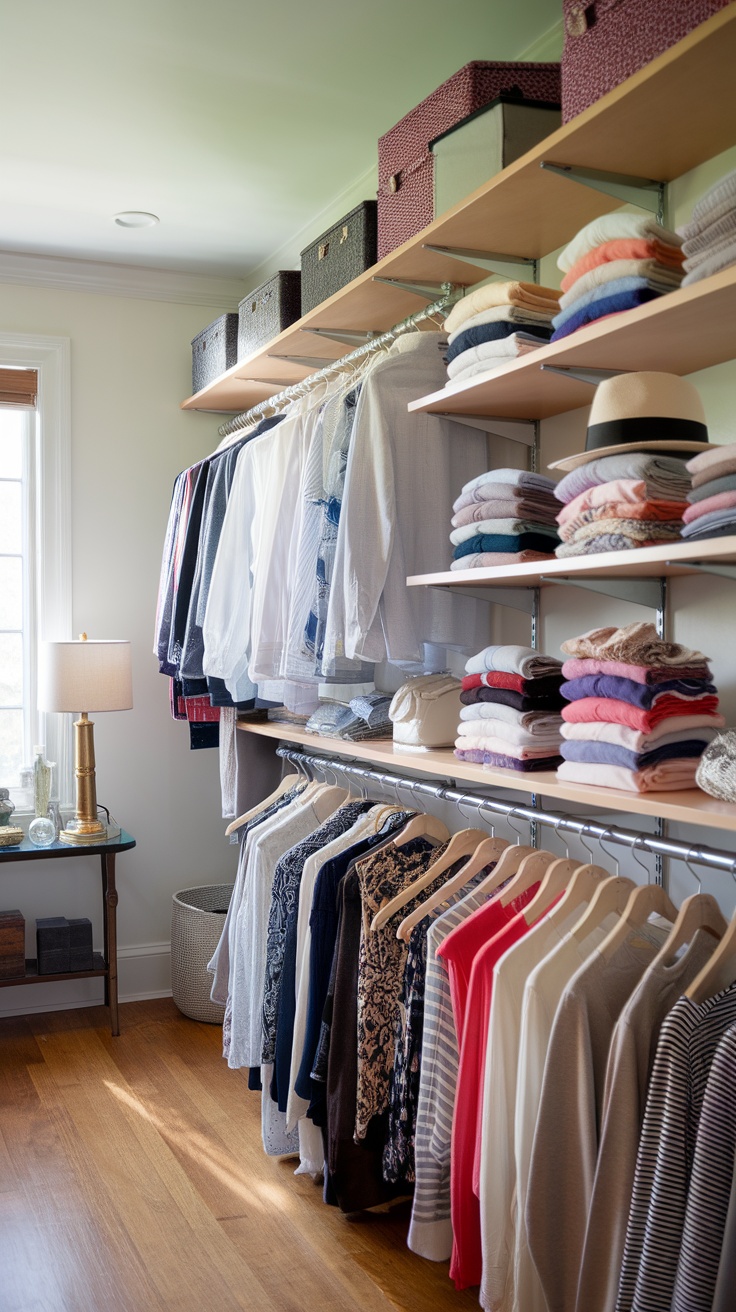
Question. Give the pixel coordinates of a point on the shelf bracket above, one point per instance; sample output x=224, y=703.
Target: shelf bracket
x=583, y=374
x=309, y=361
x=345, y=336
x=491, y=426
x=704, y=567
x=515, y=598
x=429, y=291
x=639, y=591
x=647, y=193
x=506, y=266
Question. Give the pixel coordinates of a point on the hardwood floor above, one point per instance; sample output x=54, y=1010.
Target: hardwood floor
x=132, y=1178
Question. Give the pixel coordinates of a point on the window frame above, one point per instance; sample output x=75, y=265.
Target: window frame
x=50, y=534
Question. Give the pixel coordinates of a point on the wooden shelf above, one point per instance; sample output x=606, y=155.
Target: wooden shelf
x=690, y=329
x=672, y=115
x=673, y=561
x=32, y=976
x=690, y=807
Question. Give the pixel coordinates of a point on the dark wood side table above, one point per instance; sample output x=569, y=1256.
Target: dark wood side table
x=105, y=966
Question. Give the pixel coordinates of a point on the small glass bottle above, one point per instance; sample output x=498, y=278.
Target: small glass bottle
x=42, y=830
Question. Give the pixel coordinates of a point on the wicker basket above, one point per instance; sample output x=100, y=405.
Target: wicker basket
x=197, y=918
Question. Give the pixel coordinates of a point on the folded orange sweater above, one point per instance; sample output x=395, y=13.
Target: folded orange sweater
x=624, y=248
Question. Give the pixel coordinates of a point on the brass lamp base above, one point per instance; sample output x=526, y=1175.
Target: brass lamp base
x=80, y=832
x=85, y=827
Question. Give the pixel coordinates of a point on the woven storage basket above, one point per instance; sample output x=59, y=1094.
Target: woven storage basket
x=197, y=918
x=716, y=773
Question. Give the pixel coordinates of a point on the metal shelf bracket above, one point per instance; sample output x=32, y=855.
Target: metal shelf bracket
x=309, y=361
x=642, y=592
x=583, y=374
x=492, y=426
x=705, y=567
x=504, y=265
x=515, y=598
x=346, y=336
x=647, y=193
x=429, y=291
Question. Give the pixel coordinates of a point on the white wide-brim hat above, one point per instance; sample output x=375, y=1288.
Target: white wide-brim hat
x=642, y=412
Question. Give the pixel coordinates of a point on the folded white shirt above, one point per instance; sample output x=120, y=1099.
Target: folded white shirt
x=513, y=659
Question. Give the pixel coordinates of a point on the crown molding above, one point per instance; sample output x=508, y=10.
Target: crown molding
x=97, y=277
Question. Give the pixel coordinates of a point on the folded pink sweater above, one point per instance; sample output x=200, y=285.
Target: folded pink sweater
x=665, y=777
x=502, y=747
x=619, y=491
x=721, y=501
x=577, y=668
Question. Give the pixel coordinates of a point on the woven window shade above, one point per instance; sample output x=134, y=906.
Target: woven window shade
x=18, y=387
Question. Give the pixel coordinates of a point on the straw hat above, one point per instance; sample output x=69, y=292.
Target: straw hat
x=642, y=412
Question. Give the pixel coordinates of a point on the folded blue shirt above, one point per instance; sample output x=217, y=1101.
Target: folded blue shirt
x=600, y=753
x=628, y=690
x=494, y=332
x=612, y=304
x=506, y=542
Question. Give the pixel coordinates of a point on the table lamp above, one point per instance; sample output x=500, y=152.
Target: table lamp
x=96, y=675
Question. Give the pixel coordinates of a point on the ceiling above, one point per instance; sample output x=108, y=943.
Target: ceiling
x=236, y=123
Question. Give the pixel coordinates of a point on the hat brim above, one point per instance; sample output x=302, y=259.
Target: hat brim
x=620, y=449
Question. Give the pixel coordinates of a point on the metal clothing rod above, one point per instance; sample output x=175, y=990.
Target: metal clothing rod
x=335, y=366
x=713, y=858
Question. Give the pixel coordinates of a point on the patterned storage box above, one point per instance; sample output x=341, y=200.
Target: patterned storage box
x=339, y=255
x=405, y=162
x=265, y=313
x=608, y=40
x=214, y=350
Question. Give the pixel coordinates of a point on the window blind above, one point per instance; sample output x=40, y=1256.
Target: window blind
x=18, y=387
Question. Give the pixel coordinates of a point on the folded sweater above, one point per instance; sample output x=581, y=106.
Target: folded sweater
x=492, y=559
x=648, y=512
x=613, y=227
x=576, y=668
x=541, y=509
x=705, y=525
x=494, y=760
x=612, y=754
x=537, y=540
x=545, y=683
x=664, y=477
x=655, y=275
x=616, y=302
x=523, y=295
x=505, y=697
x=513, y=659
x=624, y=248
x=712, y=488
x=638, y=643
x=503, y=314
x=492, y=355
x=677, y=728
x=486, y=527
x=489, y=743
x=534, y=722
x=713, y=463
x=631, y=491
x=629, y=690
x=720, y=501
x=492, y=332
x=618, y=712
x=519, y=478
x=666, y=777
x=718, y=200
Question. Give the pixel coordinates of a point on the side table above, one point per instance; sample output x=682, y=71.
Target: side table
x=105, y=965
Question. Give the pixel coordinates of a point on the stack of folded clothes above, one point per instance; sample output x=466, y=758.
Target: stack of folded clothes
x=635, y=499
x=511, y=710
x=641, y=710
x=615, y=263
x=709, y=239
x=498, y=323
x=363, y=717
x=504, y=517
x=712, y=509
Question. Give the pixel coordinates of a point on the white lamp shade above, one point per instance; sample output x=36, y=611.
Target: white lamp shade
x=85, y=676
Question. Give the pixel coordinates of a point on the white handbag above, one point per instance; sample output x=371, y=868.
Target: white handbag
x=425, y=711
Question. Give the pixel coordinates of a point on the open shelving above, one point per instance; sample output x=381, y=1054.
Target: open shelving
x=689, y=806
x=675, y=113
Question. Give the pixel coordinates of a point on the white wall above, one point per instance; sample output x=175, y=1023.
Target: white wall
x=130, y=368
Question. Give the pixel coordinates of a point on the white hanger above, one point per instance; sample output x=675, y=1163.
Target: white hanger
x=289, y=781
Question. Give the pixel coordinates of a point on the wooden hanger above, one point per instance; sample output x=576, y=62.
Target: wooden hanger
x=610, y=897
x=700, y=911
x=720, y=972
x=555, y=880
x=289, y=781
x=327, y=801
x=422, y=825
x=582, y=886
x=645, y=900
x=507, y=865
x=489, y=849
x=460, y=845
x=530, y=870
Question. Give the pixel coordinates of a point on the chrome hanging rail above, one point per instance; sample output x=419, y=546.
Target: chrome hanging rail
x=238, y=422
x=697, y=853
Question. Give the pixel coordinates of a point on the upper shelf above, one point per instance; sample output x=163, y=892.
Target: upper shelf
x=672, y=115
x=690, y=329
x=690, y=806
x=672, y=561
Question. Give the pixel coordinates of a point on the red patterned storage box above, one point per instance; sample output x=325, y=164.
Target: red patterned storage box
x=608, y=40
x=405, y=162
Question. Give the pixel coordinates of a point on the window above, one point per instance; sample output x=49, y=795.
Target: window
x=35, y=557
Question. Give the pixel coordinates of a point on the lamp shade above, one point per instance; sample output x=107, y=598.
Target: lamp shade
x=85, y=676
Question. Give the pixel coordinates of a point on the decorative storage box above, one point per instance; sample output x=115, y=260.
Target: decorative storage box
x=608, y=40
x=52, y=945
x=483, y=144
x=339, y=255
x=214, y=350
x=405, y=162
x=80, y=944
x=265, y=313
x=12, y=945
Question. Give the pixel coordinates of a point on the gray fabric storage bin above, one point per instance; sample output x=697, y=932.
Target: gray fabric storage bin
x=342, y=253
x=484, y=143
x=214, y=350
x=197, y=918
x=265, y=312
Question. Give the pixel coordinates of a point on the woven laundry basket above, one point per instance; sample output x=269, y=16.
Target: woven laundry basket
x=197, y=918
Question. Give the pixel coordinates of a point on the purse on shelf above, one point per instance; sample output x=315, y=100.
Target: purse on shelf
x=425, y=711
x=716, y=773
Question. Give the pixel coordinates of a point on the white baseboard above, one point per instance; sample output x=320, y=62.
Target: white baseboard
x=144, y=972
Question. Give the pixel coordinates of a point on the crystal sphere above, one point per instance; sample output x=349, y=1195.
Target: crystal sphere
x=42, y=831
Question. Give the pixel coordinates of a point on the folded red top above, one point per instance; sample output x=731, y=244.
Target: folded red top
x=612, y=711
x=512, y=682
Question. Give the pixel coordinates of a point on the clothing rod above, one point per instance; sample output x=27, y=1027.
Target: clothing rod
x=690, y=853
x=447, y=299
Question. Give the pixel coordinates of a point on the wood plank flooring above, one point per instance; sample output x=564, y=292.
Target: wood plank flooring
x=132, y=1179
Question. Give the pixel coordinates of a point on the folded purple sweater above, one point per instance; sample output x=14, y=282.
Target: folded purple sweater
x=602, y=753
x=628, y=690
x=476, y=757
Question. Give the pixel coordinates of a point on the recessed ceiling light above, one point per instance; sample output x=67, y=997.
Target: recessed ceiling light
x=136, y=219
